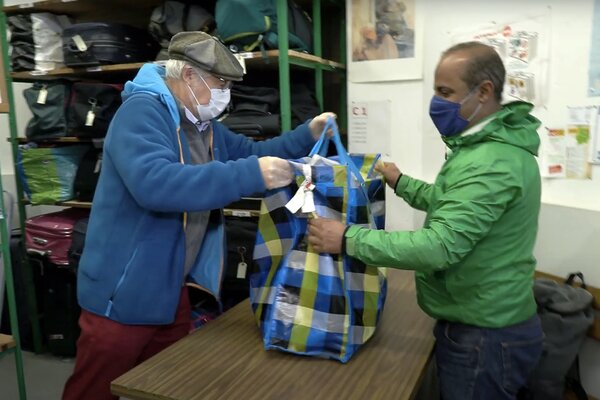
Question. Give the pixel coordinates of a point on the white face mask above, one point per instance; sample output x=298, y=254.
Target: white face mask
x=219, y=99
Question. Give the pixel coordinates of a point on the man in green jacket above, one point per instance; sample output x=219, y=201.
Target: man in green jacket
x=473, y=257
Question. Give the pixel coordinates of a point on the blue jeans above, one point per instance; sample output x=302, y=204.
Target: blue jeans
x=484, y=363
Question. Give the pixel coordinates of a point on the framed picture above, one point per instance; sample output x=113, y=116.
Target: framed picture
x=384, y=40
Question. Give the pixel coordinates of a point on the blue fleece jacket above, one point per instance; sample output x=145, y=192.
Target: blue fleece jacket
x=131, y=269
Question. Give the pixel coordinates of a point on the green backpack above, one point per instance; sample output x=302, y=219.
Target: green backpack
x=247, y=25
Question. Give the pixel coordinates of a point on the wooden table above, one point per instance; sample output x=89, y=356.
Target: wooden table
x=226, y=360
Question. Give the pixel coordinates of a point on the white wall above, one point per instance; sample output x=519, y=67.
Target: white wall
x=570, y=216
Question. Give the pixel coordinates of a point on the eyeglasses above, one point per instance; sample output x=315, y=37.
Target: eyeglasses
x=223, y=84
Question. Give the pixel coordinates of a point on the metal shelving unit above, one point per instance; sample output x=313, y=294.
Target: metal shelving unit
x=9, y=344
x=137, y=12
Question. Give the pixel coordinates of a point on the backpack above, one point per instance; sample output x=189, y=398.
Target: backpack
x=48, y=102
x=566, y=314
x=246, y=25
x=173, y=17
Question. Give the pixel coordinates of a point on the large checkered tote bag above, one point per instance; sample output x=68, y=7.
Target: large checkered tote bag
x=318, y=304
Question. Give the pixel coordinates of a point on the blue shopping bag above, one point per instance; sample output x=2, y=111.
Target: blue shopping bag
x=319, y=304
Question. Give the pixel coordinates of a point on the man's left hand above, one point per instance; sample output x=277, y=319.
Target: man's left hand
x=326, y=235
x=317, y=124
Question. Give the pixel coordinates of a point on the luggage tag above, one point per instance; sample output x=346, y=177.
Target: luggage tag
x=242, y=62
x=91, y=115
x=42, y=95
x=80, y=43
x=98, y=165
x=242, y=266
x=303, y=199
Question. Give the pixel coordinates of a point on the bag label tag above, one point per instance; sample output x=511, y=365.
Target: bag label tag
x=42, y=95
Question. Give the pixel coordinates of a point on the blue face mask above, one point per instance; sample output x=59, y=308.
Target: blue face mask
x=446, y=117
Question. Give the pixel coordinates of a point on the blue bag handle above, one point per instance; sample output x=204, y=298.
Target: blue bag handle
x=322, y=144
x=321, y=148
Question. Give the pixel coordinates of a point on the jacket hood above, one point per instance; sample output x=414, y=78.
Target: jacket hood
x=521, y=132
x=150, y=79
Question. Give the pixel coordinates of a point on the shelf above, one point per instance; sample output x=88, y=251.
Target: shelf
x=133, y=12
x=70, y=203
x=270, y=58
x=296, y=58
x=228, y=212
x=67, y=72
x=22, y=140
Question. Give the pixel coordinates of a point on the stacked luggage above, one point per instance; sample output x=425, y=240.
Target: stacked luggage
x=54, y=242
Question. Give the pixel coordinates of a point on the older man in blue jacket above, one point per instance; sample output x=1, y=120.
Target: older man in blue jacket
x=168, y=169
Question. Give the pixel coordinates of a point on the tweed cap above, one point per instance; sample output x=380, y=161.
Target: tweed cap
x=207, y=53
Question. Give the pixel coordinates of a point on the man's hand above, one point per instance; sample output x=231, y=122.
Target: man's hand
x=317, y=124
x=390, y=171
x=326, y=235
x=276, y=172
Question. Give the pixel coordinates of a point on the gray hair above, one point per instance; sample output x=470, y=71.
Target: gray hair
x=174, y=69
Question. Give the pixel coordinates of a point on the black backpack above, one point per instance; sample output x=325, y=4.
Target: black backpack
x=92, y=107
x=566, y=313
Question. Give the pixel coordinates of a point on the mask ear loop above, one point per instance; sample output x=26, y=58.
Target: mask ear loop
x=474, y=112
x=478, y=106
x=192, y=92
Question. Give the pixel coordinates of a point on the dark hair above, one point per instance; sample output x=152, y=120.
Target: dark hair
x=484, y=64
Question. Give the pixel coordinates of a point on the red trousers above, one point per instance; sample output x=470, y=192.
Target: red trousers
x=107, y=349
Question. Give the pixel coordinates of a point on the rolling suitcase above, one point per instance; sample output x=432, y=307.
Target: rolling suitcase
x=56, y=290
x=98, y=43
x=50, y=235
x=61, y=311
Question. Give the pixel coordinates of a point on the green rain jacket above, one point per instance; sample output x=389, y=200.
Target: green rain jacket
x=473, y=257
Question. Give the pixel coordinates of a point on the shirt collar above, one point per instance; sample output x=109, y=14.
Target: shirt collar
x=477, y=127
x=472, y=130
x=201, y=125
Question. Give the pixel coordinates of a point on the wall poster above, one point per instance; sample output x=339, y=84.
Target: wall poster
x=385, y=40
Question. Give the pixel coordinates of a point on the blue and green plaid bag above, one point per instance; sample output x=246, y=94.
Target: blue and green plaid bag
x=318, y=304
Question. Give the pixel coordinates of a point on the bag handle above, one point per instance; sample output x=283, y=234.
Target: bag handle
x=322, y=144
x=571, y=279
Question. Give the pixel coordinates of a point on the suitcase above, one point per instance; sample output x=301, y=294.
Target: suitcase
x=56, y=290
x=98, y=43
x=50, y=235
x=21, y=290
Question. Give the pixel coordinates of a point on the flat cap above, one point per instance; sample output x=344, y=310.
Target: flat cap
x=207, y=53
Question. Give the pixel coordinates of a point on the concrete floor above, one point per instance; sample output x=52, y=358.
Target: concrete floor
x=45, y=376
